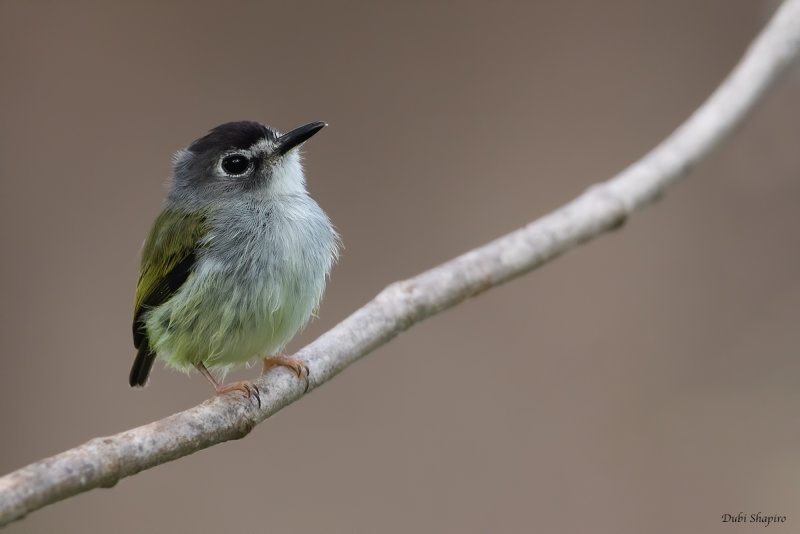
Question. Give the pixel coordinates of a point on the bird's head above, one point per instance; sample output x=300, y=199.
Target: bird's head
x=238, y=158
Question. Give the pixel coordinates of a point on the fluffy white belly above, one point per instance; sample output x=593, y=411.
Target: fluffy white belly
x=253, y=289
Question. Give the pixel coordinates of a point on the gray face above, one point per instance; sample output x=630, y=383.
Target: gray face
x=231, y=159
x=239, y=160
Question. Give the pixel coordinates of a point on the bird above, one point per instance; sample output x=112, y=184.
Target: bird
x=237, y=261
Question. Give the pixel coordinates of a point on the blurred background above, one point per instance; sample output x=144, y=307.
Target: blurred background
x=646, y=382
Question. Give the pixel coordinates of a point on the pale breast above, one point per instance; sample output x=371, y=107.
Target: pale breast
x=271, y=261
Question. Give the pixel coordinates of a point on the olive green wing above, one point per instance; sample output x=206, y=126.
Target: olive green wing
x=168, y=259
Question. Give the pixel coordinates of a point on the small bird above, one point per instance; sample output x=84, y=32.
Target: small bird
x=236, y=263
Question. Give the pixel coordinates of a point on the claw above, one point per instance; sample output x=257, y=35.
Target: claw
x=297, y=366
x=245, y=387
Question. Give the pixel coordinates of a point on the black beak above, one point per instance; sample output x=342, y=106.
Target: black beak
x=289, y=140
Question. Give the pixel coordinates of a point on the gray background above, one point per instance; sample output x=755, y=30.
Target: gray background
x=647, y=382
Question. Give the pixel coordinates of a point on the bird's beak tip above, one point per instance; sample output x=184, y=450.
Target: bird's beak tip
x=298, y=136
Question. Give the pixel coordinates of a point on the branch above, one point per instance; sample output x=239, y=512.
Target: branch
x=101, y=462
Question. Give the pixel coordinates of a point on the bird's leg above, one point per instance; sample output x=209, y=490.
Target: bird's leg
x=297, y=366
x=244, y=386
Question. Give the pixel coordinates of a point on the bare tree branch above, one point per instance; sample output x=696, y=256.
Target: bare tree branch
x=101, y=462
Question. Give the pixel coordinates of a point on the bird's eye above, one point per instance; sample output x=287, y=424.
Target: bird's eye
x=235, y=164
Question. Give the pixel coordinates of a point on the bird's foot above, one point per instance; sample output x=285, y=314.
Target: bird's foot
x=297, y=366
x=244, y=386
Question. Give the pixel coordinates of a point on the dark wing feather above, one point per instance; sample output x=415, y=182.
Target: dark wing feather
x=160, y=293
x=168, y=259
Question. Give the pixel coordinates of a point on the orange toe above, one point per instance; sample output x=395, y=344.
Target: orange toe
x=297, y=366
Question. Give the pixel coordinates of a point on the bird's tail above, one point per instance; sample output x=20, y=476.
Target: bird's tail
x=142, y=365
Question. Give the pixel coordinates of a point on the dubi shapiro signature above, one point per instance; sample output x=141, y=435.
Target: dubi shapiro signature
x=758, y=517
